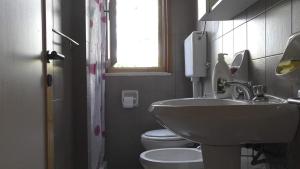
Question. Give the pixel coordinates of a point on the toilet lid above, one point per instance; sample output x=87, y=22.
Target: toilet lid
x=162, y=134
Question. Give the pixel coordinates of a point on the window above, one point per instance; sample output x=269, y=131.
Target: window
x=201, y=8
x=138, y=36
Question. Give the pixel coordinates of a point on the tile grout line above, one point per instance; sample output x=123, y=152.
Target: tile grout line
x=265, y=12
x=292, y=16
x=247, y=46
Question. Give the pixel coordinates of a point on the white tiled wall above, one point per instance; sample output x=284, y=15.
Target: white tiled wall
x=263, y=29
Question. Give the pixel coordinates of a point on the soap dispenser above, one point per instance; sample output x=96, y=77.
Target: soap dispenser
x=221, y=72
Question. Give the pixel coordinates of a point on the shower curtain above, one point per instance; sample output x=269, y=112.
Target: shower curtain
x=96, y=41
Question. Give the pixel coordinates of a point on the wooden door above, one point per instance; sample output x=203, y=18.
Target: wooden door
x=48, y=67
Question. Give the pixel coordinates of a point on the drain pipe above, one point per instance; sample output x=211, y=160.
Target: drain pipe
x=197, y=87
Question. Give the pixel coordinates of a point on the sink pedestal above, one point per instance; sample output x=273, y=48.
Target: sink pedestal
x=225, y=157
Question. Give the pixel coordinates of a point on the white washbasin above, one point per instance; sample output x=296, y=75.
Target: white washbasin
x=228, y=122
x=222, y=125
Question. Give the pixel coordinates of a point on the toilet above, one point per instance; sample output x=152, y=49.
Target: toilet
x=166, y=150
x=163, y=138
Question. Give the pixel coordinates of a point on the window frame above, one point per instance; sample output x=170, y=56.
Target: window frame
x=164, y=41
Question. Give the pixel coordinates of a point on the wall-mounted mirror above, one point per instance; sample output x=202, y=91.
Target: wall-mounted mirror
x=216, y=10
x=205, y=6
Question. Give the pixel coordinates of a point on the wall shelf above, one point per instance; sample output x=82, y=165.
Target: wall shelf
x=226, y=9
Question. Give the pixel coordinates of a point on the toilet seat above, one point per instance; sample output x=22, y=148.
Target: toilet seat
x=161, y=134
x=163, y=138
x=172, y=158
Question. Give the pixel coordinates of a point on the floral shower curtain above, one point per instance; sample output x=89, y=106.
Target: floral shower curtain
x=95, y=80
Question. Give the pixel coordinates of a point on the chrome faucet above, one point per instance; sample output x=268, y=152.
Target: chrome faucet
x=250, y=92
x=245, y=87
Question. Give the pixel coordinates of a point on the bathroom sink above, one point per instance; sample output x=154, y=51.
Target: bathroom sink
x=226, y=122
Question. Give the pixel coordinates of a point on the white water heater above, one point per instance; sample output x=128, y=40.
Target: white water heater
x=195, y=51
